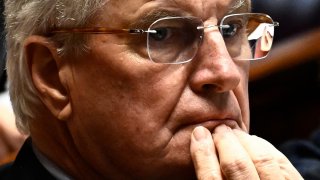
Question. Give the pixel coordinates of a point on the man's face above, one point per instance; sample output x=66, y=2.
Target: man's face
x=134, y=116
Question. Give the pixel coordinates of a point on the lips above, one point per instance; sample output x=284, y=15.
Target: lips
x=213, y=123
x=209, y=121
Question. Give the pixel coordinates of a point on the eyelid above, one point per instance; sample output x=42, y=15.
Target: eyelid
x=147, y=19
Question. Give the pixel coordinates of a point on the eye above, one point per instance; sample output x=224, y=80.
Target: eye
x=231, y=31
x=161, y=34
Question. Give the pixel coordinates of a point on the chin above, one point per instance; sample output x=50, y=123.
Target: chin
x=177, y=164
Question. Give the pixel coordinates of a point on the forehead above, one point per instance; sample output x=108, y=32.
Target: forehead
x=118, y=11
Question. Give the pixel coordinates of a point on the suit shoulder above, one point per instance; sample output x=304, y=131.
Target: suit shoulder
x=5, y=171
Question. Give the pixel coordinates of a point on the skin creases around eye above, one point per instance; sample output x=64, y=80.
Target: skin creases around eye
x=165, y=46
x=137, y=44
x=234, y=35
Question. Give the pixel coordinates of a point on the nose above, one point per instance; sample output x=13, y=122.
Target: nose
x=214, y=69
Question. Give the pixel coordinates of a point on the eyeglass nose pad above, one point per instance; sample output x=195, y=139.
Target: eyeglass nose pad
x=202, y=28
x=201, y=33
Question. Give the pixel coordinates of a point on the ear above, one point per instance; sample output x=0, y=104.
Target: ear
x=45, y=69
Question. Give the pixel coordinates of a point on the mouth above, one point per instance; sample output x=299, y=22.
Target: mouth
x=181, y=135
x=208, y=123
x=211, y=124
x=210, y=119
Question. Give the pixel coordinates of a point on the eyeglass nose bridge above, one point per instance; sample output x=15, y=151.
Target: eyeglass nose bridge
x=219, y=27
x=213, y=26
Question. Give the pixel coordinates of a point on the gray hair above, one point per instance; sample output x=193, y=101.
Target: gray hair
x=37, y=17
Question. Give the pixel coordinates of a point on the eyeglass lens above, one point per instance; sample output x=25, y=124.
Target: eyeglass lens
x=247, y=36
x=251, y=33
x=176, y=39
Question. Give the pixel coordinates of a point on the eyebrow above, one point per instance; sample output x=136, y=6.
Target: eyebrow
x=146, y=20
x=239, y=6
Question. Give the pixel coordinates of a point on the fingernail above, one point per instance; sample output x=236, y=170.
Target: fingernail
x=200, y=133
x=222, y=129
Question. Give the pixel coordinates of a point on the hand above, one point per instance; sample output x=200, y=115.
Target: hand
x=234, y=154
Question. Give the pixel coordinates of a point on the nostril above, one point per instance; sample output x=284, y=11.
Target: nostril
x=209, y=87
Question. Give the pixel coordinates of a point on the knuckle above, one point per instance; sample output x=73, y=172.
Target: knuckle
x=238, y=166
x=283, y=160
x=264, y=160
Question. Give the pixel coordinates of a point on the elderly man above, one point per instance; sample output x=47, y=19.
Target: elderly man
x=137, y=89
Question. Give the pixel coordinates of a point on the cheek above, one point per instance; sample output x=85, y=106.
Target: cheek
x=124, y=99
x=124, y=118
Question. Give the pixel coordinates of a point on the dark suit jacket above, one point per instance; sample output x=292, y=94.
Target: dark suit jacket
x=305, y=155
x=25, y=167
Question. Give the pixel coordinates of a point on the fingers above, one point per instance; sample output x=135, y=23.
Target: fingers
x=204, y=155
x=266, y=163
x=269, y=162
x=235, y=162
x=233, y=154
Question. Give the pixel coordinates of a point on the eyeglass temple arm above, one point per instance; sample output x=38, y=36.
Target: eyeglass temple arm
x=276, y=24
x=101, y=31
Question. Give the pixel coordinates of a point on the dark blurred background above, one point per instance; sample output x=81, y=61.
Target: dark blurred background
x=285, y=88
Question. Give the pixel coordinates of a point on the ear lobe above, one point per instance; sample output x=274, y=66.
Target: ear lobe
x=43, y=62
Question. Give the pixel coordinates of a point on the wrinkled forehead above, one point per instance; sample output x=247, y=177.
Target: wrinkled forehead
x=118, y=11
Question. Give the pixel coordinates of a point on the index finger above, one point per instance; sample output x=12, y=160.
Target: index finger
x=235, y=162
x=204, y=155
